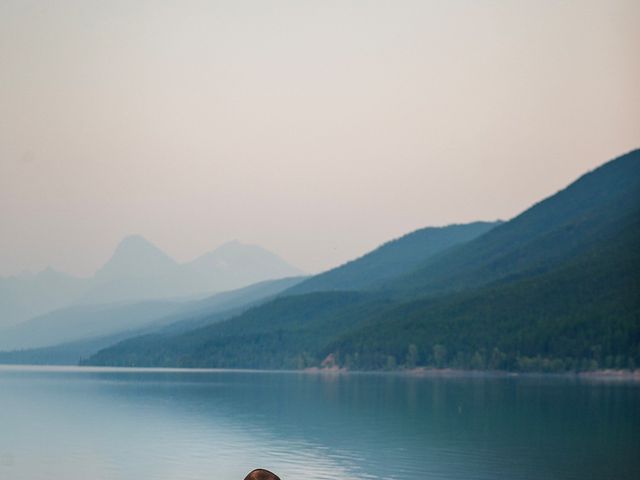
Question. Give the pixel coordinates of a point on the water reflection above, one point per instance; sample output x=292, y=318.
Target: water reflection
x=200, y=425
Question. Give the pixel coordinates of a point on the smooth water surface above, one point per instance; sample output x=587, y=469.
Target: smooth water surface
x=93, y=424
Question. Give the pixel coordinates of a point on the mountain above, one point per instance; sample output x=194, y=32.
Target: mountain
x=553, y=289
x=583, y=314
x=83, y=321
x=137, y=270
x=72, y=333
x=278, y=334
x=29, y=295
x=70, y=353
x=393, y=258
x=135, y=257
x=559, y=228
x=140, y=271
x=229, y=303
x=235, y=264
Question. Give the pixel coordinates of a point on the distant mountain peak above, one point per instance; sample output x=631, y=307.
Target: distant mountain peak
x=245, y=257
x=134, y=241
x=135, y=256
x=139, y=270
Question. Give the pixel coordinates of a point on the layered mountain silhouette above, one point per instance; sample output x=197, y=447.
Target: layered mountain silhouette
x=137, y=271
x=554, y=289
x=28, y=295
x=71, y=333
x=135, y=257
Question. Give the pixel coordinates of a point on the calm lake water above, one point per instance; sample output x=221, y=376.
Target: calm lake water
x=130, y=425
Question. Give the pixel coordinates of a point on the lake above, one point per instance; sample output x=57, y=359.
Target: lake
x=74, y=423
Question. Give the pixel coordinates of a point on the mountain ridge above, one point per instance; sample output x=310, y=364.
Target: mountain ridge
x=393, y=257
x=571, y=261
x=137, y=270
x=555, y=226
x=82, y=327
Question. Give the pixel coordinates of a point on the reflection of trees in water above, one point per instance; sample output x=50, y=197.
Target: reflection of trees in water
x=384, y=424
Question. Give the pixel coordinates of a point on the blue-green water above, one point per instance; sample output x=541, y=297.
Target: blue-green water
x=130, y=425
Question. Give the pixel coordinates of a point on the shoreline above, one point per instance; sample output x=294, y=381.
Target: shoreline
x=601, y=375
x=419, y=372
x=609, y=374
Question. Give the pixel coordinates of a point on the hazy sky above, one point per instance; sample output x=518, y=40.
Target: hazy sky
x=317, y=129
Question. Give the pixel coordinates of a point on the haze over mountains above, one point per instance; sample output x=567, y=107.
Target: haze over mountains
x=554, y=289
x=69, y=334
x=81, y=329
x=138, y=270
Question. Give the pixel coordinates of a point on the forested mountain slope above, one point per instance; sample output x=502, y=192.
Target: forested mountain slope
x=554, y=230
x=393, y=258
x=583, y=314
x=555, y=288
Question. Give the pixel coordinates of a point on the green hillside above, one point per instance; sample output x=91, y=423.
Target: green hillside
x=558, y=228
x=584, y=314
x=285, y=333
x=554, y=289
x=394, y=258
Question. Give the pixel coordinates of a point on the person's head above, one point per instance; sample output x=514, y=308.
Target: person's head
x=261, y=474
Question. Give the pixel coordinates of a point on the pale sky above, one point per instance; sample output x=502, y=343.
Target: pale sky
x=317, y=129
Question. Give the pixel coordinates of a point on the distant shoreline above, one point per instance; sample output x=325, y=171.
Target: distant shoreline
x=612, y=375
x=419, y=372
x=430, y=372
x=605, y=374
